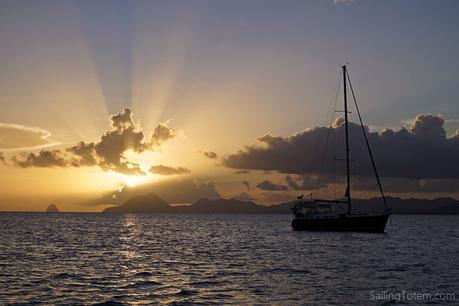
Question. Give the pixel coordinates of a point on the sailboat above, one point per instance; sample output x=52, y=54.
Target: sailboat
x=320, y=215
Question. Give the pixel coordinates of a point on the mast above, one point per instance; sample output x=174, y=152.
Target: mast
x=348, y=177
x=373, y=163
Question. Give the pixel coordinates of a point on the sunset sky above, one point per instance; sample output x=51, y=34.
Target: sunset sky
x=198, y=99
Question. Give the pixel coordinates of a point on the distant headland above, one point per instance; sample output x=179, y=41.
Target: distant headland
x=52, y=208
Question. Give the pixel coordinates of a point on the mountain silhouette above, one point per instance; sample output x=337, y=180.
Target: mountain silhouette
x=149, y=203
x=152, y=203
x=52, y=208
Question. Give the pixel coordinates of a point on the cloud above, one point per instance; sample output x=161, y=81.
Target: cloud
x=296, y=182
x=123, y=121
x=125, y=134
x=84, y=154
x=246, y=184
x=403, y=185
x=428, y=127
x=161, y=134
x=395, y=185
x=14, y=136
x=390, y=184
x=52, y=158
x=190, y=191
x=306, y=182
x=422, y=152
x=164, y=170
x=268, y=185
x=210, y=155
x=244, y=196
x=241, y=172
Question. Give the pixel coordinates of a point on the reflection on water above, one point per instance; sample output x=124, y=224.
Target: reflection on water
x=90, y=258
x=128, y=237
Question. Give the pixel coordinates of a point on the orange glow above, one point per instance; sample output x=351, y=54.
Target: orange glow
x=132, y=180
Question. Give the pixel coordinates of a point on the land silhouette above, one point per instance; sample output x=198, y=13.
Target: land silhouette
x=52, y=208
x=152, y=203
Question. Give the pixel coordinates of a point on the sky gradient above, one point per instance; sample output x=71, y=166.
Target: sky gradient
x=218, y=75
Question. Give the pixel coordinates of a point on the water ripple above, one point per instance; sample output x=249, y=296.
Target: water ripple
x=101, y=259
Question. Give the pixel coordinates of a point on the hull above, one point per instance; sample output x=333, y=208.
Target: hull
x=368, y=223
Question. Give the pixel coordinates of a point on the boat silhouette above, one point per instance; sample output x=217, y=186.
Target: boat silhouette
x=320, y=215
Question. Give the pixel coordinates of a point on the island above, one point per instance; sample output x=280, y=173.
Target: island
x=52, y=208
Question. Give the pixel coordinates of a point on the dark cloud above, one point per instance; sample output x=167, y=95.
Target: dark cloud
x=422, y=152
x=108, y=153
x=246, y=184
x=306, y=182
x=52, y=158
x=268, y=185
x=161, y=134
x=211, y=155
x=429, y=127
x=17, y=136
x=297, y=182
x=244, y=196
x=125, y=135
x=403, y=185
x=368, y=184
x=84, y=154
x=164, y=170
x=241, y=172
x=122, y=121
x=390, y=184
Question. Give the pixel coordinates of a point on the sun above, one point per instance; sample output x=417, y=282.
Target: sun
x=132, y=180
x=145, y=160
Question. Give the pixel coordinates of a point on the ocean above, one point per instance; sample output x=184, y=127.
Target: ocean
x=123, y=259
